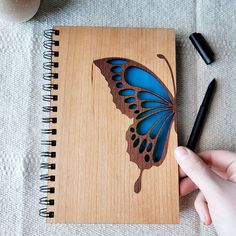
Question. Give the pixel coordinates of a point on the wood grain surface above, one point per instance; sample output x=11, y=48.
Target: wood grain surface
x=94, y=174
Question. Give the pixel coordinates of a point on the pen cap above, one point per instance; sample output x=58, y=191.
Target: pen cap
x=202, y=47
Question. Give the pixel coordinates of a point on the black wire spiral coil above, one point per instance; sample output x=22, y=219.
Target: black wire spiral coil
x=49, y=86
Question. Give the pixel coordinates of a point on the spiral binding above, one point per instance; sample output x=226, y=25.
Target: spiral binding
x=50, y=86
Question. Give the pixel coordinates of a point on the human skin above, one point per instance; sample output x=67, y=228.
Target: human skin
x=214, y=174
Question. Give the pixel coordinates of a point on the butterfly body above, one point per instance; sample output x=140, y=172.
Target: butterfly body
x=139, y=94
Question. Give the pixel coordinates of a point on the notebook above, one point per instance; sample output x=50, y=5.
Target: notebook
x=110, y=116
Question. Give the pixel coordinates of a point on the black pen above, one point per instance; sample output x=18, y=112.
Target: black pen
x=198, y=124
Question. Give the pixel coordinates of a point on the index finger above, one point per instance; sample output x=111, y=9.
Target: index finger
x=218, y=159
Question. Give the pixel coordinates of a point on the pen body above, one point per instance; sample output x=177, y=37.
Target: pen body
x=197, y=127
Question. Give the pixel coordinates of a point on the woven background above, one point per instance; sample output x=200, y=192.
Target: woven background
x=20, y=99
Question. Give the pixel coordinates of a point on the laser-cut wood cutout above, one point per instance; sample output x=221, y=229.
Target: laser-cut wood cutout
x=140, y=94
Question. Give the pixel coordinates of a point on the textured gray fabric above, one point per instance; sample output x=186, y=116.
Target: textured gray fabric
x=20, y=99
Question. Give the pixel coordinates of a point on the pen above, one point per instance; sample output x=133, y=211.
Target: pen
x=198, y=124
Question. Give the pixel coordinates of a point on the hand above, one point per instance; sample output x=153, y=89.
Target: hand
x=214, y=173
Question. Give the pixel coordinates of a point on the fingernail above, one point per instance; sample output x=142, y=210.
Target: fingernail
x=181, y=153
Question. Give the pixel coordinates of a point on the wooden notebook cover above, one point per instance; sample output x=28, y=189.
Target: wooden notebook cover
x=94, y=175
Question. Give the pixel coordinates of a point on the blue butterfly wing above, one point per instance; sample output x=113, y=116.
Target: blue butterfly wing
x=141, y=78
x=141, y=95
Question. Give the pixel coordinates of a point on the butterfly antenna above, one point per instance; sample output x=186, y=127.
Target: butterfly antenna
x=161, y=56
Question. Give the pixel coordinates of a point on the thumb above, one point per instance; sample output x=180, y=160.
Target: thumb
x=198, y=171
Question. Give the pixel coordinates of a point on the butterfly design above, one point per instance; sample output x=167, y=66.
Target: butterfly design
x=140, y=94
